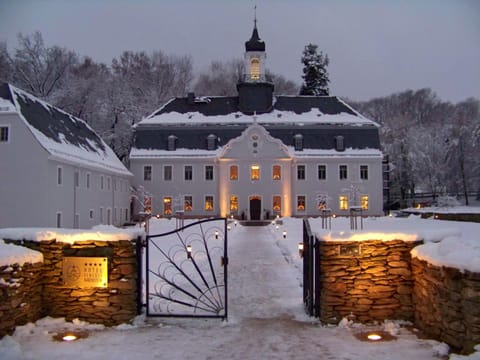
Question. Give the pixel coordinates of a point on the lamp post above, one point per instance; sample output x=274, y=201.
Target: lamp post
x=284, y=234
x=300, y=249
x=189, y=251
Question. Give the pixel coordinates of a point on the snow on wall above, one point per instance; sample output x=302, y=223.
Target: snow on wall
x=13, y=254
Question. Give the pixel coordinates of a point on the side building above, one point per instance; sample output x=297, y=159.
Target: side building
x=55, y=170
x=257, y=155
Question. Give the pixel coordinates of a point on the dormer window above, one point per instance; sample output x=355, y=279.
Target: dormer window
x=298, y=142
x=255, y=69
x=339, y=143
x=172, y=143
x=211, y=142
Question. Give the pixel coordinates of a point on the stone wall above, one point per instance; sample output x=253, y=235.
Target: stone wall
x=20, y=295
x=375, y=283
x=447, y=304
x=48, y=296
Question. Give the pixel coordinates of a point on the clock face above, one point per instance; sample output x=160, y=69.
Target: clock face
x=254, y=137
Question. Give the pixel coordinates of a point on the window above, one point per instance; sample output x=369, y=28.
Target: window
x=209, y=172
x=115, y=214
x=102, y=182
x=114, y=181
x=364, y=172
x=277, y=172
x=321, y=204
x=255, y=172
x=4, y=132
x=300, y=172
x=109, y=216
x=59, y=175
x=59, y=219
x=209, y=203
x=364, y=202
x=188, y=203
x=343, y=202
x=172, y=143
x=298, y=142
x=277, y=203
x=91, y=214
x=301, y=203
x=101, y=215
x=167, y=173
x=76, y=221
x=322, y=172
x=76, y=178
x=188, y=172
x=339, y=143
x=147, y=173
x=233, y=203
x=167, y=206
x=147, y=204
x=234, y=172
x=126, y=214
x=254, y=69
x=211, y=142
x=87, y=180
x=343, y=172
x=109, y=183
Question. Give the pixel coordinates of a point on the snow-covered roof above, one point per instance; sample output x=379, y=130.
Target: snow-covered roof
x=64, y=136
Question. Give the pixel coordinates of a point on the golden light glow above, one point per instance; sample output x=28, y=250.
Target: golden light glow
x=374, y=337
x=343, y=202
x=167, y=205
x=234, y=172
x=255, y=172
x=255, y=69
x=364, y=202
x=69, y=337
x=233, y=203
x=209, y=203
x=277, y=203
x=277, y=172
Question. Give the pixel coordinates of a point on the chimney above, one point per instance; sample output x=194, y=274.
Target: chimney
x=191, y=98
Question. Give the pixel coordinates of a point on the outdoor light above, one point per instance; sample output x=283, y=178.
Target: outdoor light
x=284, y=234
x=189, y=251
x=300, y=249
x=157, y=216
x=334, y=216
x=216, y=234
x=276, y=227
x=273, y=222
x=229, y=227
x=69, y=337
x=374, y=337
x=278, y=216
x=235, y=223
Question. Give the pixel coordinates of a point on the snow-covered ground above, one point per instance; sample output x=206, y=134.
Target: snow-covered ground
x=266, y=316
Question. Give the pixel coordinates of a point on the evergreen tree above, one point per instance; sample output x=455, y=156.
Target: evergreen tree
x=315, y=73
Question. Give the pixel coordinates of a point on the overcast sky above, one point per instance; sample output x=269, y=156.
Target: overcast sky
x=375, y=47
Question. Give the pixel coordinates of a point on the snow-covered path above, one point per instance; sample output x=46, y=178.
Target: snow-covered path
x=266, y=321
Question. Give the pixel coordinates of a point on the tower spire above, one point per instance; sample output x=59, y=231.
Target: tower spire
x=255, y=16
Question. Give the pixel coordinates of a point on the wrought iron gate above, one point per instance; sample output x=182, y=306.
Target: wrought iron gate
x=187, y=271
x=311, y=271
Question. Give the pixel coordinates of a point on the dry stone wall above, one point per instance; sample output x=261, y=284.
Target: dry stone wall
x=447, y=304
x=42, y=290
x=20, y=295
x=374, y=284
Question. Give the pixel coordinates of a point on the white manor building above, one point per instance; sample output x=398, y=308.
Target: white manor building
x=257, y=155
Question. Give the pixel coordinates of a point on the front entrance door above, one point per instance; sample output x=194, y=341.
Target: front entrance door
x=255, y=207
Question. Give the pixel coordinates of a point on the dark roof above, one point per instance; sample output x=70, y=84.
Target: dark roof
x=52, y=122
x=255, y=44
x=314, y=136
x=224, y=105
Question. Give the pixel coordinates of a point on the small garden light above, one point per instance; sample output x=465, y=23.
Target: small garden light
x=300, y=249
x=216, y=234
x=189, y=251
x=284, y=234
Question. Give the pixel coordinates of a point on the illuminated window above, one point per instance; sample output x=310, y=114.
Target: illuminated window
x=322, y=172
x=343, y=202
x=147, y=173
x=301, y=203
x=188, y=172
x=209, y=172
x=277, y=172
x=364, y=172
x=343, y=172
x=234, y=172
x=300, y=172
x=233, y=203
x=167, y=205
x=255, y=69
x=209, y=203
x=188, y=203
x=147, y=204
x=167, y=173
x=255, y=172
x=321, y=204
x=364, y=202
x=277, y=203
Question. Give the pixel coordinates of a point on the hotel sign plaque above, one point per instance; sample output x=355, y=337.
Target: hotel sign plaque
x=85, y=272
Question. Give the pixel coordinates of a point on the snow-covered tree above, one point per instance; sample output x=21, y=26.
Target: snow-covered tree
x=315, y=73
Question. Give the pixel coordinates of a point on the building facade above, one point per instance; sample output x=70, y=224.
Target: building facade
x=257, y=155
x=55, y=171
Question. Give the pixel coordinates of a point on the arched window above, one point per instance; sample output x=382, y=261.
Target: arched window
x=298, y=142
x=255, y=69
